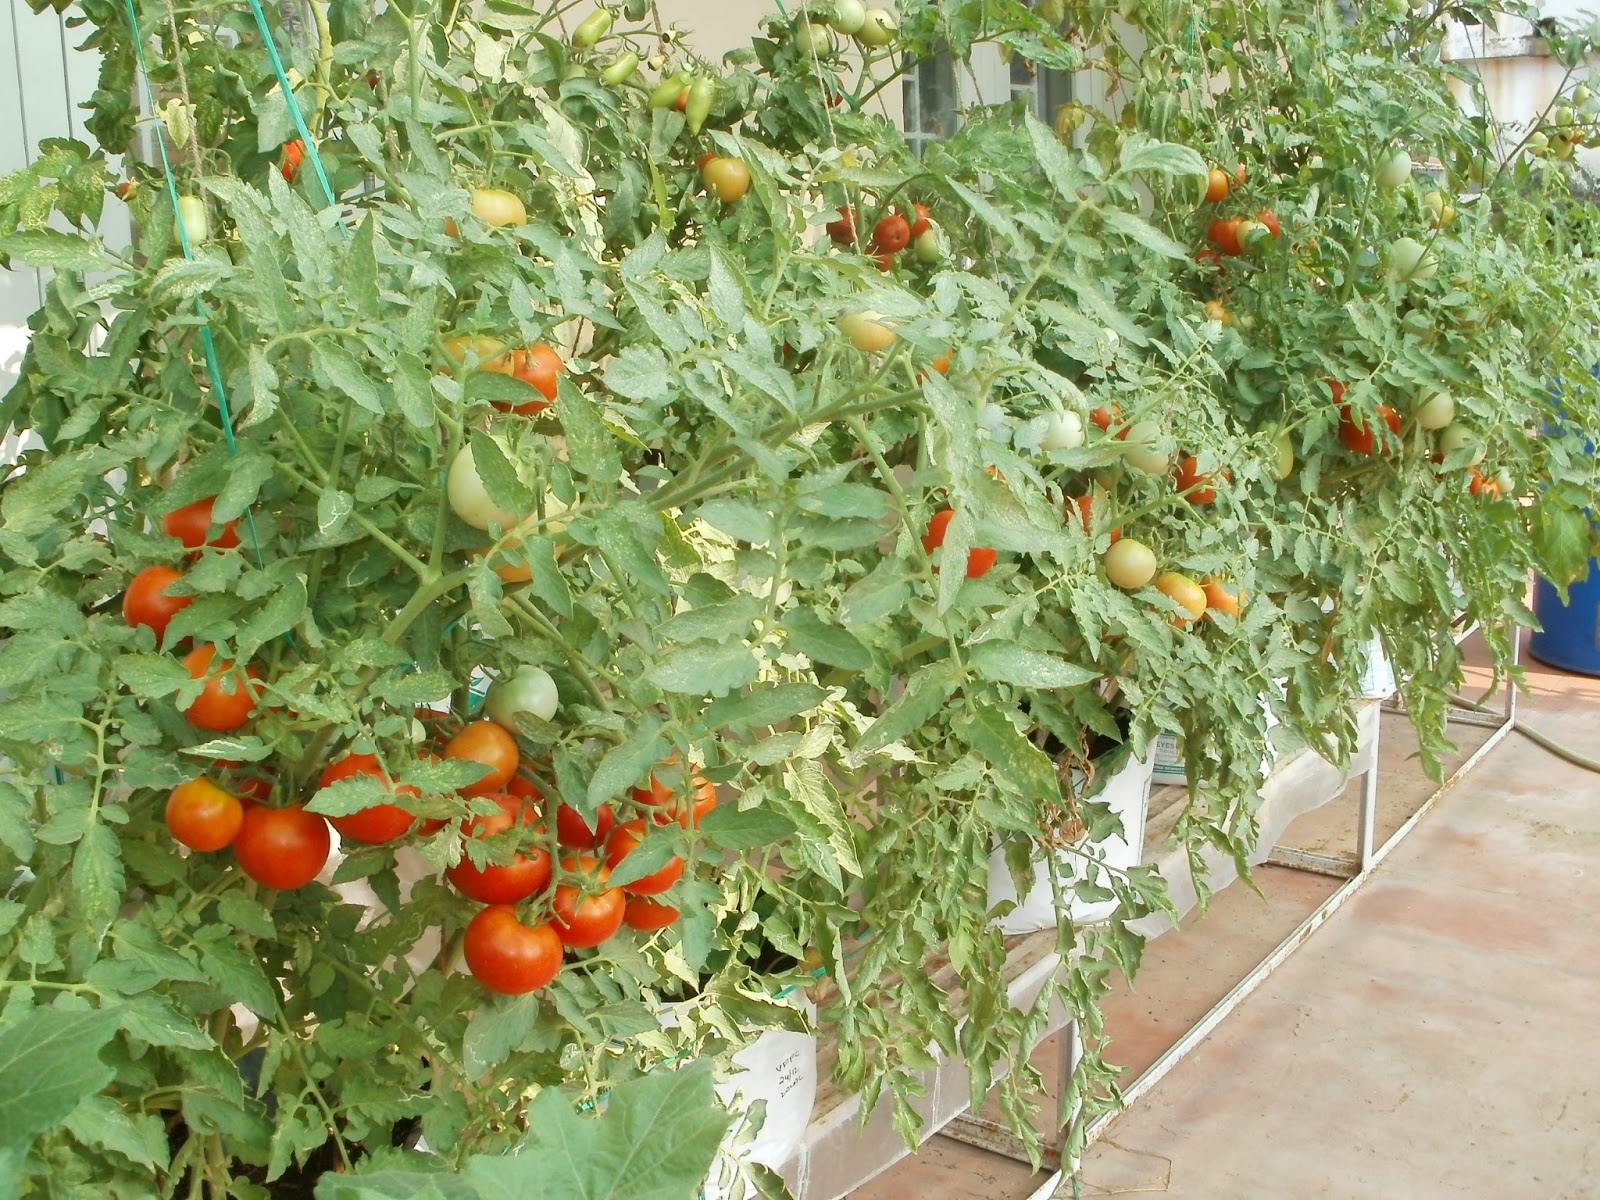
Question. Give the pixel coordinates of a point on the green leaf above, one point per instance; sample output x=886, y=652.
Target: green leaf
x=1007, y=662
x=925, y=694
x=495, y=1031
x=732, y=828
x=588, y=444
x=413, y=392
x=764, y=705
x=97, y=878
x=151, y=676
x=54, y=250
x=719, y=622
x=101, y=1121
x=1140, y=153
x=549, y=584
x=1561, y=539
x=361, y=268
x=639, y=373
x=738, y=520
x=1019, y=765
x=626, y=765
x=1137, y=229
x=705, y=669
x=49, y=1061
x=655, y=1140
x=500, y=478
x=337, y=367
x=334, y=507
x=280, y=614
x=620, y=532
x=824, y=643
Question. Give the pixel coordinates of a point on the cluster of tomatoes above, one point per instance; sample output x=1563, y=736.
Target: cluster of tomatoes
x=895, y=231
x=288, y=846
x=229, y=695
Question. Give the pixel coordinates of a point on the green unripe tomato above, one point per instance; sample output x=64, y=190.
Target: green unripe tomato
x=193, y=220
x=1538, y=142
x=1394, y=170
x=527, y=690
x=1456, y=437
x=701, y=94
x=666, y=93
x=812, y=38
x=593, y=27
x=848, y=17
x=867, y=330
x=621, y=70
x=877, y=29
x=1142, y=448
x=469, y=499
x=1410, y=260
x=1282, y=455
x=1129, y=564
x=1435, y=410
x=929, y=248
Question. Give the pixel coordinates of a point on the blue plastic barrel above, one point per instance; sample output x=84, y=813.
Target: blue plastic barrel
x=1571, y=635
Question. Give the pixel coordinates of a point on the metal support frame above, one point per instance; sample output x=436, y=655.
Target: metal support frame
x=1355, y=870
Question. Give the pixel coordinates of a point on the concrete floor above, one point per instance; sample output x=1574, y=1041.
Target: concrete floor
x=1435, y=1040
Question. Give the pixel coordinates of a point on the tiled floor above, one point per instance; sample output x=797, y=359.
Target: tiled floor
x=1435, y=1040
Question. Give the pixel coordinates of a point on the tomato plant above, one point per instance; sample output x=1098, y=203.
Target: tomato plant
x=536, y=437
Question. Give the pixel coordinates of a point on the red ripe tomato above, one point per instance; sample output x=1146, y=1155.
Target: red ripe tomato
x=377, y=823
x=191, y=525
x=884, y=262
x=282, y=848
x=527, y=872
x=922, y=222
x=146, y=601
x=891, y=234
x=507, y=956
x=1223, y=233
x=1363, y=438
x=661, y=796
x=843, y=231
x=647, y=915
x=539, y=366
x=293, y=153
x=573, y=831
x=1084, y=505
x=487, y=743
x=1195, y=485
x=202, y=816
x=1337, y=390
x=228, y=697
x=624, y=840
x=1209, y=257
x=979, y=558
x=584, y=920
x=1108, y=416
x=1270, y=219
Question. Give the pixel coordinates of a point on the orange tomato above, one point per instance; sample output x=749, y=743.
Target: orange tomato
x=487, y=743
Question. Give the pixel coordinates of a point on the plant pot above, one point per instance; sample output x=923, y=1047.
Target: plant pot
x=1167, y=758
x=779, y=1068
x=1377, y=676
x=1128, y=794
